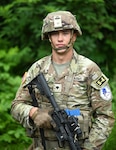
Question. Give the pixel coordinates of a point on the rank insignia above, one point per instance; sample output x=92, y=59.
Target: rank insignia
x=57, y=88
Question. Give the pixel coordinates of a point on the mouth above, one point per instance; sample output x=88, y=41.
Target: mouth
x=60, y=45
x=61, y=48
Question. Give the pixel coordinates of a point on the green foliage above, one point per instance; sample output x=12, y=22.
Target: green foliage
x=21, y=45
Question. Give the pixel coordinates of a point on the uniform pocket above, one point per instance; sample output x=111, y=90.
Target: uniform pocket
x=85, y=123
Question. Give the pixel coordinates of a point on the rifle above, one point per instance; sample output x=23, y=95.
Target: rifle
x=66, y=127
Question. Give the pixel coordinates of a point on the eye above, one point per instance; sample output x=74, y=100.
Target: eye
x=66, y=31
x=54, y=33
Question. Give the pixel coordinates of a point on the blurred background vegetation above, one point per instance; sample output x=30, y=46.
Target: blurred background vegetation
x=21, y=45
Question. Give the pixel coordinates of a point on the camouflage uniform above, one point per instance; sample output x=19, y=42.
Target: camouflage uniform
x=81, y=85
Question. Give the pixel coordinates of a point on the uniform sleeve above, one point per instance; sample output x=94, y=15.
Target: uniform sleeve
x=102, y=116
x=21, y=106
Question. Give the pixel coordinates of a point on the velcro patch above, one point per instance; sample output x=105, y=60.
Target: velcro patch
x=105, y=93
x=99, y=82
x=57, y=88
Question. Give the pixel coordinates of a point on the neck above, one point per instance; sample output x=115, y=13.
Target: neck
x=61, y=58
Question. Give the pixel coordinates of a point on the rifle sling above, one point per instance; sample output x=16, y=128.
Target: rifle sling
x=35, y=104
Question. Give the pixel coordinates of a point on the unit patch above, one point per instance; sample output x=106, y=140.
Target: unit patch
x=105, y=93
x=99, y=81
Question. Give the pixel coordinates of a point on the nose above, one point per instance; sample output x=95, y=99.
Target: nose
x=60, y=36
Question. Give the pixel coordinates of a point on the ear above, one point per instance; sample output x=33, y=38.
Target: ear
x=49, y=38
x=74, y=37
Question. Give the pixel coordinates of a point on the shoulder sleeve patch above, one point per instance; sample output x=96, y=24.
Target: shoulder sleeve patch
x=99, y=82
x=105, y=93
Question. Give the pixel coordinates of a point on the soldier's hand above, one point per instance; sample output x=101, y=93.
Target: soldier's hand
x=42, y=118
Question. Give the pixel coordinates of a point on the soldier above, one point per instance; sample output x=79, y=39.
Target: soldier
x=76, y=82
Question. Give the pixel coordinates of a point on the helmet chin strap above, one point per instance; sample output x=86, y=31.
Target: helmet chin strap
x=64, y=47
x=61, y=48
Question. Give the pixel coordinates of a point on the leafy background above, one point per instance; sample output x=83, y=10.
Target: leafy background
x=21, y=45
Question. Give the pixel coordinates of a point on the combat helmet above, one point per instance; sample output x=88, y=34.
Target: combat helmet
x=59, y=20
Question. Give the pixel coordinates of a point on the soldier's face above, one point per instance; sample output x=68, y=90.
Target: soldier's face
x=61, y=39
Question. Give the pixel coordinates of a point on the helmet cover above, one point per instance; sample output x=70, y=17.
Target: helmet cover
x=59, y=20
